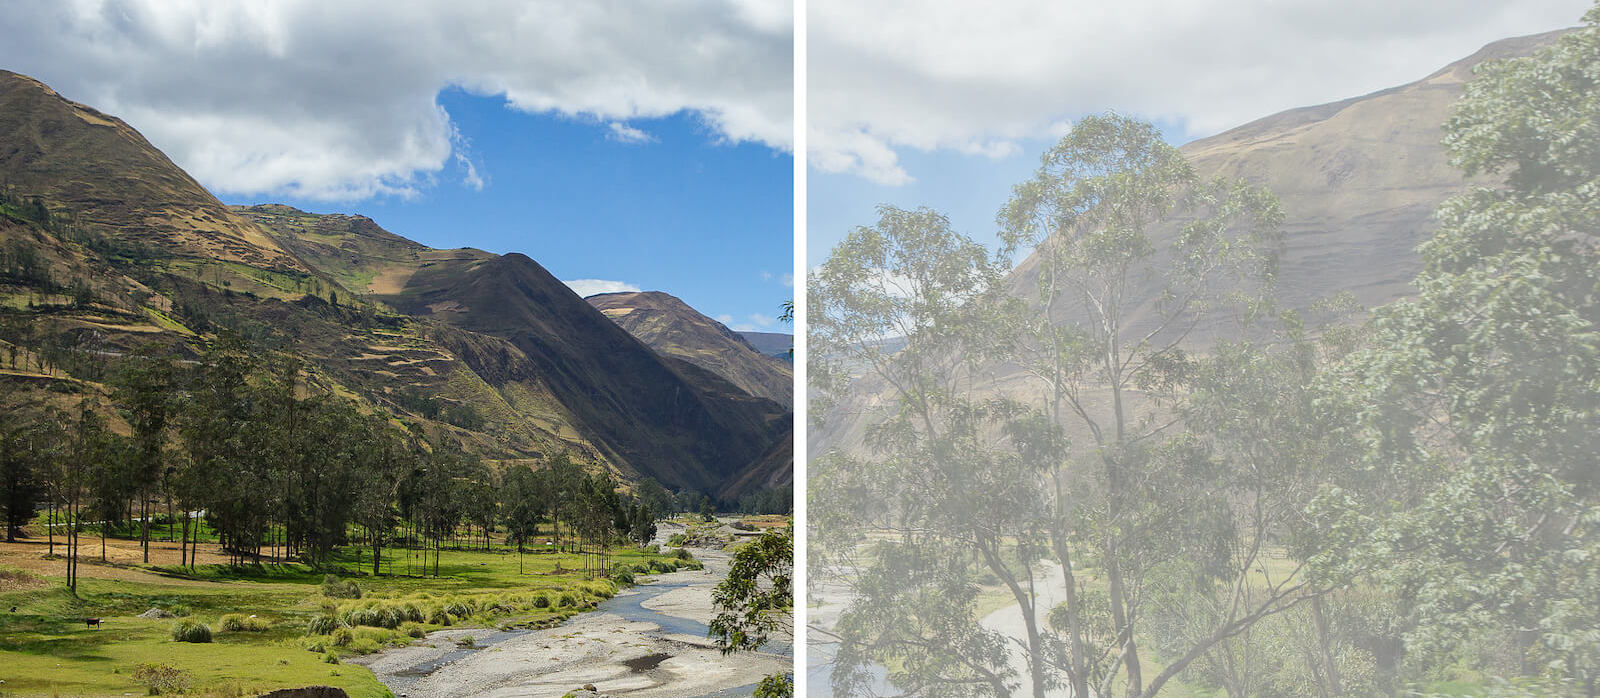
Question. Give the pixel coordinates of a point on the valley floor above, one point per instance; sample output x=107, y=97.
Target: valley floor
x=46, y=648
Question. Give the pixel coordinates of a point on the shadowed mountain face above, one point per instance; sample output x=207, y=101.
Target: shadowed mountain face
x=673, y=328
x=464, y=346
x=686, y=426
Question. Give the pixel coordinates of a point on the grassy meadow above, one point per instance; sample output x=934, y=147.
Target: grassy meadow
x=259, y=615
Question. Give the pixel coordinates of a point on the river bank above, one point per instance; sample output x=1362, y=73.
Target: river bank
x=647, y=642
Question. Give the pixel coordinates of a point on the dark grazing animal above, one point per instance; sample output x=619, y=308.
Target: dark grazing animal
x=91, y=622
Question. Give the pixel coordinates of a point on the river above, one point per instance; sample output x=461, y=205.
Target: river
x=646, y=642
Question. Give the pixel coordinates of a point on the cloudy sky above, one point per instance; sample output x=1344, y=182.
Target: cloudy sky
x=947, y=104
x=626, y=144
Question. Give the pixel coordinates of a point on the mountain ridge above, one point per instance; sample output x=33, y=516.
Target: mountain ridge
x=670, y=326
x=487, y=351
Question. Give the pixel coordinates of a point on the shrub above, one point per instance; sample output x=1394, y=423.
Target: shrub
x=160, y=678
x=412, y=629
x=317, y=646
x=541, y=601
x=190, y=631
x=343, y=637
x=330, y=658
x=335, y=589
x=676, y=540
x=234, y=623
x=622, y=577
x=323, y=624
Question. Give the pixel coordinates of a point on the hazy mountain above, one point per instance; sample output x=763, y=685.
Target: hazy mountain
x=673, y=328
x=486, y=350
x=1358, y=181
x=779, y=344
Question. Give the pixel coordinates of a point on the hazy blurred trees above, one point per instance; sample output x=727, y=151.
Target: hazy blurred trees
x=1477, y=402
x=1288, y=508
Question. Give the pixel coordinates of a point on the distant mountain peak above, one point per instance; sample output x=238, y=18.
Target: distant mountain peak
x=670, y=326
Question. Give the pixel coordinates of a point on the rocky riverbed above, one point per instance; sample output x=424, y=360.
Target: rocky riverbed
x=647, y=642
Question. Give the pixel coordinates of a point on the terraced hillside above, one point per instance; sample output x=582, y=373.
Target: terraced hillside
x=106, y=245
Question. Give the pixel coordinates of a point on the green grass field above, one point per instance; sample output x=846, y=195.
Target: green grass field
x=47, y=649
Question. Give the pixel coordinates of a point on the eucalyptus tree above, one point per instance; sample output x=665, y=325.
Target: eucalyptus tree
x=228, y=439
x=383, y=457
x=145, y=394
x=902, y=526
x=1131, y=253
x=1478, y=401
x=89, y=445
x=22, y=480
x=525, y=499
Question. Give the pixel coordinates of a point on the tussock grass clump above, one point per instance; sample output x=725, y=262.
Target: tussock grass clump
x=622, y=577
x=323, y=624
x=343, y=637
x=190, y=631
x=567, y=600
x=541, y=601
x=415, y=630
x=335, y=589
x=365, y=645
x=237, y=623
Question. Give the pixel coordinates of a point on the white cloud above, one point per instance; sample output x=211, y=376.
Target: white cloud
x=755, y=323
x=589, y=287
x=337, y=100
x=766, y=276
x=623, y=133
x=979, y=77
x=788, y=280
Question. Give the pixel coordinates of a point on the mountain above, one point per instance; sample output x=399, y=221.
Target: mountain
x=1358, y=181
x=779, y=344
x=671, y=327
x=107, y=245
x=108, y=176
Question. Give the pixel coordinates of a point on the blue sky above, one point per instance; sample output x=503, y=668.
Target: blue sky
x=675, y=209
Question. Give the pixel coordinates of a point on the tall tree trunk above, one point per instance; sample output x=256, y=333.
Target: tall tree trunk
x=1122, y=618
x=1331, y=666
